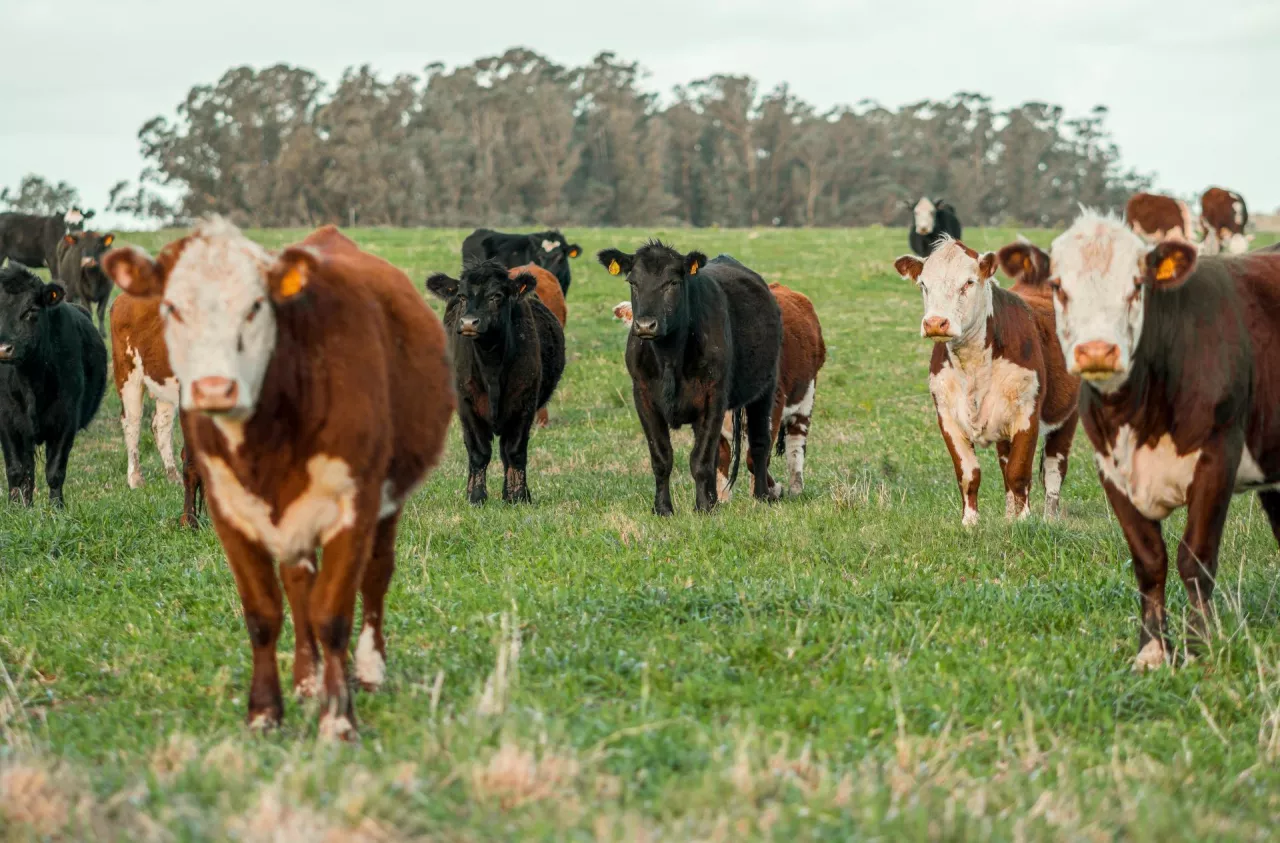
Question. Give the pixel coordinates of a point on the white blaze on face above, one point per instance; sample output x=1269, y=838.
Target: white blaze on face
x=1098, y=262
x=73, y=217
x=926, y=215
x=549, y=245
x=954, y=290
x=218, y=319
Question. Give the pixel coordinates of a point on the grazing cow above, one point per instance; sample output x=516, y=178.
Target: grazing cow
x=705, y=341
x=53, y=371
x=1223, y=216
x=1181, y=361
x=997, y=375
x=508, y=355
x=140, y=364
x=932, y=220
x=549, y=293
x=1156, y=218
x=547, y=249
x=33, y=240
x=79, y=269
x=315, y=395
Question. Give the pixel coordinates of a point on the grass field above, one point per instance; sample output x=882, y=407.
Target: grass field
x=849, y=664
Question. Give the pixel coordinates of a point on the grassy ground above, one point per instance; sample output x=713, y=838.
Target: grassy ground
x=852, y=663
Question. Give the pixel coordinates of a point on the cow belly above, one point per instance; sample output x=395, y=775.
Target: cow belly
x=993, y=404
x=166, y=390
x=1155, y=478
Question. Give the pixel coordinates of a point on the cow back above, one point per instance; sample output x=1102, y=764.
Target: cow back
x=548, y=290
x=754, y=326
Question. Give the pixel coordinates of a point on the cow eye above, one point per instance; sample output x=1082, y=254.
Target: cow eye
x=167, y=309
x=32, y=314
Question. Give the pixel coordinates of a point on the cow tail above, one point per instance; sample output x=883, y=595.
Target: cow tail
x=739, y=416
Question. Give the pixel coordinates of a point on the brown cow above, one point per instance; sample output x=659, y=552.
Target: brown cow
x=1223, y=216
x=315, y=393
x=1155, y=218
x=1181, y=359
x=550, y=294
x=994, y=377
x=140, y=363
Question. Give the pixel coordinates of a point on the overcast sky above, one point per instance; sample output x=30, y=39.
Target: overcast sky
x=1191, y=84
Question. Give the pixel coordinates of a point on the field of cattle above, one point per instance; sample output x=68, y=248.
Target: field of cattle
x=852, y=662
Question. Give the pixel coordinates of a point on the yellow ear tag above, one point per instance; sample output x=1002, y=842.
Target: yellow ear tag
x=693, y=270
x=1167, y=269
x=291, y=284
x=614, y=269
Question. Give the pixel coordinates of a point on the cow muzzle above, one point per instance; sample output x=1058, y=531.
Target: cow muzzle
x=922, y=231
x=1097, y=359
x=87, y=263
x=645, y=329
x=6, y=352
x=938, y=329
x=214, y=394
x=469, y=326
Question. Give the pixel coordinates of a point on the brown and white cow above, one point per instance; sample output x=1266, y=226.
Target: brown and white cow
x=550, y=294
x=1156, y=218
x=1181, y=361
x=1223, y=216
x=315, y=394
x=994, y=377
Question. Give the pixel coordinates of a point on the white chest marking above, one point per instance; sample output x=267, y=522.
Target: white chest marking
x=987, y=401
x=325, y=508
x=1154, y=478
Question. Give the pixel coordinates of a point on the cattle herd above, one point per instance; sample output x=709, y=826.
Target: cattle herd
x=314, y=388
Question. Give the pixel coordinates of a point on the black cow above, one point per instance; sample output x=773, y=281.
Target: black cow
x=932, y=220
x=53, y=370
x=547, y=249
x=32, y=240
x=508, y=355
x=705, y=339
x=80, y=270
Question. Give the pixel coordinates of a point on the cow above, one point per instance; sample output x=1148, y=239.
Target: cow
x=314, y=392
x=549, y=293
x=1181, y=361
x=80, y=270
x=705, y=340
x=32, y=239
x=140, y=366
x=1155, y=218
x=508, y=355
x=53, y=371
x=932, y=220
x=997, y=376
x=548, y=249
x=1223, y=216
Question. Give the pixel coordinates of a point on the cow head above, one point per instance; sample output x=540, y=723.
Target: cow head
x=926, y=215
x=25, y=303
x=659, y=277
x=552, y=252
x=483, y=297
x=92, y=246
x=75, y=218
x=221, y=294
x=1025, y=263
x=1102, y=273
x=956, y=284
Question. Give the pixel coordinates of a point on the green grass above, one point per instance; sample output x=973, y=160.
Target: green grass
x=852, y=663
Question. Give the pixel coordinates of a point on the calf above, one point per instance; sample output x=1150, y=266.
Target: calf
x=508, y=355
x=315, y=395
x=1155, y=218
x=547, y=249
x=932, y=221
x=140, y=364
x=705, y=340
x=549, y=293
x=996, y=375
x=79, y=257
x=1223, y=216
x=53, y=371
x=1181, y=361
x=33, y=240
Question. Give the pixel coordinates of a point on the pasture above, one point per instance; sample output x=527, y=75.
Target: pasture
x=852, y=663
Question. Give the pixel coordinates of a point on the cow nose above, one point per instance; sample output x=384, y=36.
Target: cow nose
x=214, y=394
x=1097, y=356
x=937, y=327
x=646, y=327
x=6, y=351
x=468, y=325
x=87, y=262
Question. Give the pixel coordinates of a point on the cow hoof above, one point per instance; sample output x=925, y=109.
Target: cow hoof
x=173, y=474
x=261, y=722
x=337, y=727
x=478, y=500
x=1151, y=657
x=970, y=518
x=1052, y=509
x=135, y=480
x=797, y=488
x=664, y=511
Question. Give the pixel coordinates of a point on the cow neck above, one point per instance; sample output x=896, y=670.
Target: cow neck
x=973, y=348
x=496, y=358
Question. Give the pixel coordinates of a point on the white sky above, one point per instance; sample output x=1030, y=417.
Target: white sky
x=1190, y=84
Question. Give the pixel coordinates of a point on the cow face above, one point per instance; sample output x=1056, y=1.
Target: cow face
x=220, y=293
x=92, y=246
x=552, y=252
x=25, y=303
x=483, y=297
x=75, y=219
x=956, y=284
x=659, y=276
x=926, y=215
x=1101, y=274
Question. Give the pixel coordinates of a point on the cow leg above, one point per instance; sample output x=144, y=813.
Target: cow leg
x=478, y=437
x=102, y=317
x=162, y=430
x=760, y=432
x=20, y=468
x=658, y=435
x=263, y=610
x=1270, y=501
x=298, y=578
x=1151, y=568
x=797, y=438
x=56, y=454
x=704, y=458
x=371, y=651
x=968, y=473
x=131, y=421
x=724, y=460
x=1208, y=499
x=1016, y=459
x=514, y=449
x=332, y=606
x=1053, y=465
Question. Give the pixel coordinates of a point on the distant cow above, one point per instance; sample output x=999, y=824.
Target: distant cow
x=997, y=375
x=1223, y=216
x=140, y=364
x=508, y=355
x=32, y=240
x=79, y=269
x=547, y=249
x=1156, y=218
x=705, y=341
x=1181, y=361
x=550, y=294
x=315, y=394
x=53, y=371
x=932, y=220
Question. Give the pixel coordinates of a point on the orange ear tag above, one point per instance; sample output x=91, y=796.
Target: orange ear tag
x=693, y=270
x=1168, y=269
x=292, y=283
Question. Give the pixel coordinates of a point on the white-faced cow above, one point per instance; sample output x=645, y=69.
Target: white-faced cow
x=996, y=376
x=1223, y=216
x=1181, y=361
x=315, y=393
x=932, y=220
x=1157, y=218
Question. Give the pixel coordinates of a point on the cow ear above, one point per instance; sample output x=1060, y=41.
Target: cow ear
x=574, y=250
x=69, y=239
x=442, y=286
x=618, y=263
x=88, y=214
x=1018, y=262
x=52, y=295
x=289, y=276
x=108, y=239
x=693, y=262
x=134, y=272
x=1168, y=264
x=987, y=265
x=525, y=284
x=909, y=267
